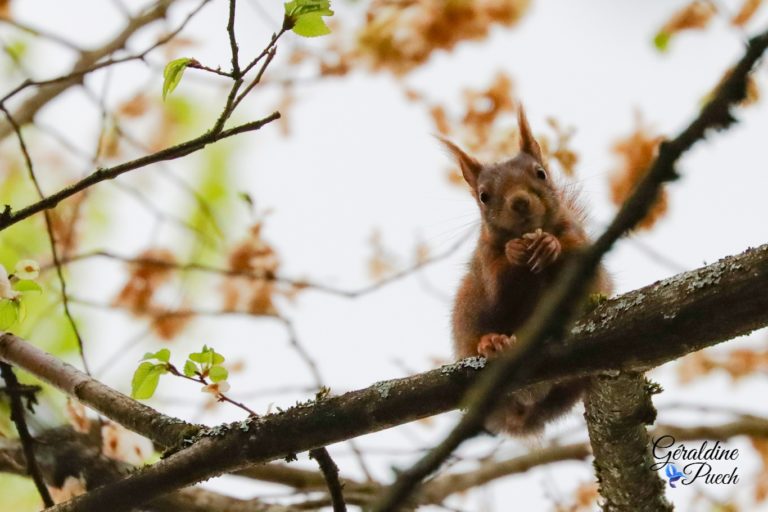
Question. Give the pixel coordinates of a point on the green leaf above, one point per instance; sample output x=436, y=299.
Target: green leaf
x=172, y=74
x=145, y=380
x=661, y=41
x=190, y=368
x=305, y=17
x=218, y=373
x=10, y=311
x=163, y=355
x=26, y=285
x=311, y=25
x=207, y=357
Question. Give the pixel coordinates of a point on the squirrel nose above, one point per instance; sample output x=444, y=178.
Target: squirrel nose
x=521, y=204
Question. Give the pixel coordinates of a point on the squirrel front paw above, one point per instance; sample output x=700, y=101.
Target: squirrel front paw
x=516, y=251
x=493, y=344
x=544, y=249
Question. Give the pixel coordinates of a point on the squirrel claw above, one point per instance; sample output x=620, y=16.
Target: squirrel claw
x=545, y=250
x=493, y=344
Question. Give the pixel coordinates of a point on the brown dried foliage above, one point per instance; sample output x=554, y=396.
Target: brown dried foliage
x=153, y=270
x=168, y=324
x=75, y=412
x=693, y=16
x=583, y=499
x=486, y=125
x=761, y=480
x=382, y=261
x=136, y=106
x=737, y=363
x=560, y=150
x=637, y=152
x=401, y=34
x=65, y=223
x=746, y=12
x=254, y=291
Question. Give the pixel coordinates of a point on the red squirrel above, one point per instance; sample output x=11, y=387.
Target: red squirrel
x=530, y=226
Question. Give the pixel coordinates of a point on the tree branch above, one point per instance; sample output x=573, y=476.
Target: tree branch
x=331, y=474
x=18, y=418
x=185, y=148
x=617, y=410
x=633, y=332
x=87, y=62
x=559, y=305
x=161, y=429
x=65, y=453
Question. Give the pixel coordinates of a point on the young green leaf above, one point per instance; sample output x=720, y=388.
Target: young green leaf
x=163, y=355
x=207, y=357
x=145, y=380
x=172, y=74
x=10, y=311
x=26, y=285
x=218, y=373
x=190, y=368
x=305, y=17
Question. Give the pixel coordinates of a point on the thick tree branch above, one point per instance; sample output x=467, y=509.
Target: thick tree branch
x=636, y=331
x=559, y=305
x=617, y=408
x=161, y=429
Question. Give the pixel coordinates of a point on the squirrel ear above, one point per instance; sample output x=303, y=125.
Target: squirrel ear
x=470, y=167
x=528, y=144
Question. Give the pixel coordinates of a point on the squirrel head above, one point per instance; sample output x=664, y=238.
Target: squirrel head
x=516, y=196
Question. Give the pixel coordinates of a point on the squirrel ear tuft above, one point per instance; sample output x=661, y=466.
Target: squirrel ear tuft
x=528, y=143
x=470, y=167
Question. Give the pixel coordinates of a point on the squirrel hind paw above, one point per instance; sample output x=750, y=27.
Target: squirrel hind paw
x=491, y=345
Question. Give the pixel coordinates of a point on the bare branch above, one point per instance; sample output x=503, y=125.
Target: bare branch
x=633, y=332
x=331, y=473
x=18, y=417
x=163, y=430
x=233, y=40
x=89, y=61
x=185, y=148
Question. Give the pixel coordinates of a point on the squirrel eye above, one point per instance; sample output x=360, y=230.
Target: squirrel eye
x=541, y=173
x=484, y=197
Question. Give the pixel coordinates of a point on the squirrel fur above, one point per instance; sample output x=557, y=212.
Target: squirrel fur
x=530, y=227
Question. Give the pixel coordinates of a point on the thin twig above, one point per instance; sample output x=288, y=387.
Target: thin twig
x=199, y=379
x=51, y=239
x=185, y=148
x=233, y=40
x=331, y=473
x=27, y=442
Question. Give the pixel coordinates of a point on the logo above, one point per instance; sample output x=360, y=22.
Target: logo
x=706, y=463
x=673, y=474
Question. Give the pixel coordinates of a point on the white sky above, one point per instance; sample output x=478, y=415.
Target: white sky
x=362, y=157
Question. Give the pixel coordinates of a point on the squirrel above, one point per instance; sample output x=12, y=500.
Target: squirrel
x=530, y=226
